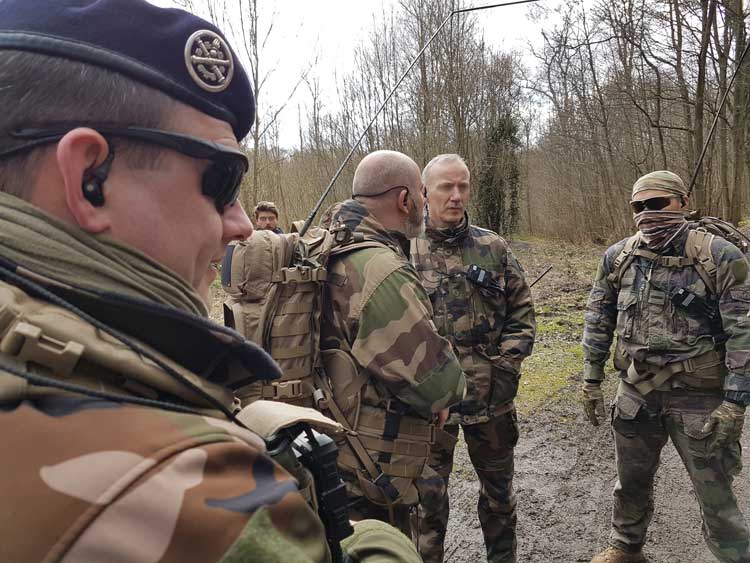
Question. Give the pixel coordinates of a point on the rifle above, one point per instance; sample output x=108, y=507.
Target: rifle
x=317, y=453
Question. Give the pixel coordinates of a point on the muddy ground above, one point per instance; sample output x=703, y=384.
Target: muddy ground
x=565, y=468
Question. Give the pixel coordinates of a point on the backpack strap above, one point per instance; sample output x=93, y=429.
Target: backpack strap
x=342, y=249
x=623, y=260
x=698, y=248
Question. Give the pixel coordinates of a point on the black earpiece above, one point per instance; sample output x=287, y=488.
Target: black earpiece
x=94, y=178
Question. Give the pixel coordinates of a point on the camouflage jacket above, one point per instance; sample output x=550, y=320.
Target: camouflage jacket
x=652, y=330
x=491, y=328
x=91, y=479
x=376, y=310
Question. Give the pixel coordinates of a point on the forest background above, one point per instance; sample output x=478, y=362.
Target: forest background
x=554, y=136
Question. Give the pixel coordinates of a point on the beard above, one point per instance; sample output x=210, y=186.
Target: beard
x=414, y=225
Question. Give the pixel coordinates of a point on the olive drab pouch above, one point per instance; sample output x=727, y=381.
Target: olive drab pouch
x=273, y=283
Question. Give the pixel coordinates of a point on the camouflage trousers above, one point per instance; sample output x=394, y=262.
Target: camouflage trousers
x=490, y=446
x=641, y=427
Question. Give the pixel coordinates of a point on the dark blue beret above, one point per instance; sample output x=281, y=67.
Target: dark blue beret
x=170, y=50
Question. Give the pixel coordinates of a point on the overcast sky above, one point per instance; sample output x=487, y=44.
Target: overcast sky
x=330, y=29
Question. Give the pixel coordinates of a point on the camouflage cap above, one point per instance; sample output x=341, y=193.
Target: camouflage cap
x=662, y=180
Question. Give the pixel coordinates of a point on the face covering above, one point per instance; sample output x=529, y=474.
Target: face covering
x=659, y=228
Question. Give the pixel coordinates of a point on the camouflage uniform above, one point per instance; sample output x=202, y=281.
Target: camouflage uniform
x=91, y=475
x=653, y=334
x=376, y=311
x=492, y=331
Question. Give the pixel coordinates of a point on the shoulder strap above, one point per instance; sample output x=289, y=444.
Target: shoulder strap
x=623, y=260
x=698, y=247
x=342, y=249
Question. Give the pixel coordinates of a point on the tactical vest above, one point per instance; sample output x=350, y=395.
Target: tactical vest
x=670, y=329
x=45, y=339
x=274, y=283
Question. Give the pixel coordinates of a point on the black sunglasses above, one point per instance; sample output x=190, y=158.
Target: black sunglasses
x=652, y=203
x=221, y=180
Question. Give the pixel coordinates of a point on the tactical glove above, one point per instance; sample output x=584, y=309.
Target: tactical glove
x=725, y=424
x=593, y=401
x=374, y=540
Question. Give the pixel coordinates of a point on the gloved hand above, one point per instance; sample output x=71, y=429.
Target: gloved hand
x=374, y=540
x=725, y=424
x=593, y=401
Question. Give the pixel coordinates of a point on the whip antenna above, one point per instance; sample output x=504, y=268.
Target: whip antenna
x=716, y=120
x=319, y=204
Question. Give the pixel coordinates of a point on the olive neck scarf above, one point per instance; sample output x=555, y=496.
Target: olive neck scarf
x=49, y=247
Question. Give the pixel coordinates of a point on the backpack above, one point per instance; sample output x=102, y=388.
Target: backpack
x=273, y=282
x=274, y=286
x=702, y=232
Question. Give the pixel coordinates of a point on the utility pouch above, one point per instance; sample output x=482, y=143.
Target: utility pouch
x=626, y=415
x=309, y=456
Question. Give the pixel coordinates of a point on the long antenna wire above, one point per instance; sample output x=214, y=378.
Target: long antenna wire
x=698, y=165
x=327, y=191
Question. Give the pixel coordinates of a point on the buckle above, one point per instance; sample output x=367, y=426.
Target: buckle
x=318, y=396
x=28, y=343
x=395, y=406
x=383, y=482
x=287, y=389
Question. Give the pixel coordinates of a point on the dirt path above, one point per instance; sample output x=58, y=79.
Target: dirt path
x=564, y=478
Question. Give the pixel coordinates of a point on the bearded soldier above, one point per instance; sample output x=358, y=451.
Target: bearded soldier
x=391, y=372
x=679, y=300
x=482, y=304
x=120, y=167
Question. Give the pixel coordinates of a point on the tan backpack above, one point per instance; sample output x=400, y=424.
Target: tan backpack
x=274, y=285
x=273, y=282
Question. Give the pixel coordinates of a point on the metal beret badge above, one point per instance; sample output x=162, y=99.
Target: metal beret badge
x=209, y=60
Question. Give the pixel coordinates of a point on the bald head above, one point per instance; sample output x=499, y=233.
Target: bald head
x=382, y=171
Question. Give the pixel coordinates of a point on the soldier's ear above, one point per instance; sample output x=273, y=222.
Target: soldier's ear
x=78, y=152
x=403, y=201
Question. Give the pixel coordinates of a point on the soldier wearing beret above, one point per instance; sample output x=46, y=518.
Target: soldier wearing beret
x=120, y=166
x=678, y=299
x=482, y=304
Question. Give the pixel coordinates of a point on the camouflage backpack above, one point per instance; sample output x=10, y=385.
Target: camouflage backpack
x=702, y=232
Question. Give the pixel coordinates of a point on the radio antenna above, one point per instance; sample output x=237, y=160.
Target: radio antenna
x=327, y=191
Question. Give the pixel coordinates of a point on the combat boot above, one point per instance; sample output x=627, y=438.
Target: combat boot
x=614, y=555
